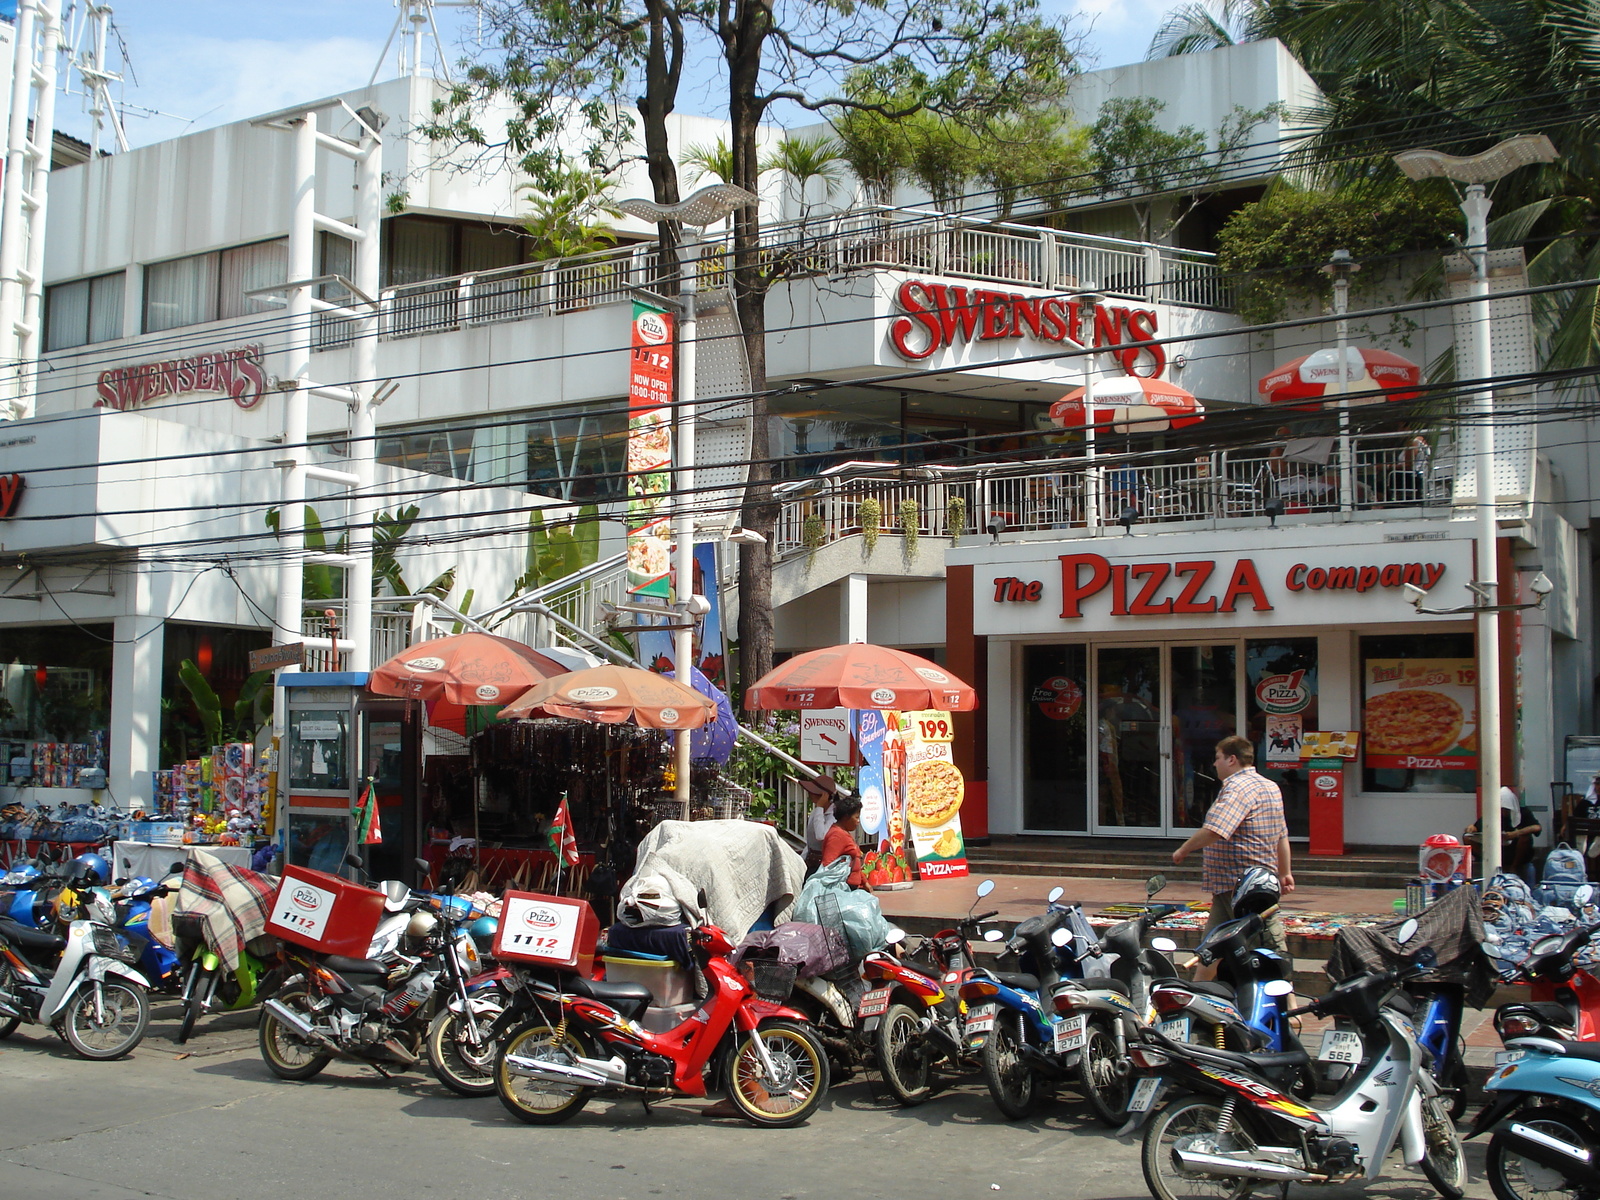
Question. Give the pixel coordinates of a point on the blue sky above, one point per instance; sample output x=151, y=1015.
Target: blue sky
x=203, y=64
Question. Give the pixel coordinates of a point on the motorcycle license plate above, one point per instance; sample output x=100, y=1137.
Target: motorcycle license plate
x=874, y=1003
x=1145, y=1094
x=980, y=1023
x=1340, y=1046
x=1069, y=1034
x=1176, y=1028
x=1502, y=1057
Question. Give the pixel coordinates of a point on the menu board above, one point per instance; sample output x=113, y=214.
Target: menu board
x=1421, y=713
x=934, y=792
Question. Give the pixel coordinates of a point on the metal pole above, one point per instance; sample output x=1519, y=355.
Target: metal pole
x=683, y=448
x=1341, y=305
x=363, y=419
x=1476, y=208
x=289, y=621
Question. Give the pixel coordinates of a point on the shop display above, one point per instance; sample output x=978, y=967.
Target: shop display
x=1421, y=712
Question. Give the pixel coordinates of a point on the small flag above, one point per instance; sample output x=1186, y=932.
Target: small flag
x=369, y=830
x=560, y=834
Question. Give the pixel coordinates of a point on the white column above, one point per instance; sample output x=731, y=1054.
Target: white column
x=363, y=419
x=133, y=743
x=683, y=451
x=853, y=608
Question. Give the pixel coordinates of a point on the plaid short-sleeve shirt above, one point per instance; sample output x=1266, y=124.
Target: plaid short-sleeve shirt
x=1248, y=817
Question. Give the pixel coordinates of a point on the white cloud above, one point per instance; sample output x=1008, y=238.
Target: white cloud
x=1119, y=30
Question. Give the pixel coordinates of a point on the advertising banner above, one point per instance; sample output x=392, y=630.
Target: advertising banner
x=1421, y=713
x=887, y=863
x=935, y=789
x=650, y=379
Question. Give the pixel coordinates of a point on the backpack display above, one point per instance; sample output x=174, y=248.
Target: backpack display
x=1564, y=873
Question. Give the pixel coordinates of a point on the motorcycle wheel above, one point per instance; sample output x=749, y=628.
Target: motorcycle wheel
x=125, y=1012
x=288, y=1056
x=1443, y=1161
x=8, y=987
x=533, y=1100
x=1191, y=1117
x=1512, y=1177
x=1011, y=1081
x=455, y=1063
x=193, y=988
x=903, y=1055
x=802, y=1065
x=1455, y=1084
x=1102, y=1084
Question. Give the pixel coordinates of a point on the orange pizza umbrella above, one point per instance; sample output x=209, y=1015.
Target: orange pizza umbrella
x=859, y=675
x=461, y=671
x=611, y=695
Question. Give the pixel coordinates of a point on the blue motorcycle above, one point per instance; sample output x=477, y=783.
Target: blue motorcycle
x=1544, y=1117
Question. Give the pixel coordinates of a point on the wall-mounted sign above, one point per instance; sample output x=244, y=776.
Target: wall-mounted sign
x=825, y=737
x=937, y=315
x=10, y=492
x=237, y=374
x=273, y=657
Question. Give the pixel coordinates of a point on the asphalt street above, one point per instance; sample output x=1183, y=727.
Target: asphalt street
x=208, y=1122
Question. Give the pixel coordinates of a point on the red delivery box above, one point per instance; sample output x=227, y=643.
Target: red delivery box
x=329, y=914
x=552, y=931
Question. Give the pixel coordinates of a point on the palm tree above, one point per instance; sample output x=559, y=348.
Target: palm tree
x=710, y=158
x=802, y=159
x=1207, y=25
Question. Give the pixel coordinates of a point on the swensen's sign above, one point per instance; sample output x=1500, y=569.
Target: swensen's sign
x=937, y=315
x=237, y=374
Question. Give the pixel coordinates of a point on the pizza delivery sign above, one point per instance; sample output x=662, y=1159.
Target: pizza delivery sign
x=935, y=788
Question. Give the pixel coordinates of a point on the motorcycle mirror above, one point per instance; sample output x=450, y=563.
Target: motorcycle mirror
x=424, y=867
x=1493, y=951
x=127, y=864
x=1154, y=884
x=1406, y=932
x=176, y=868
x=1278, y=987
x=354, y=860
x=1165, y=945
x=985, y=888
x=993, y=935
x=1060, y=937
x=1056, y=893
x=1584, y=896
x=895, y=936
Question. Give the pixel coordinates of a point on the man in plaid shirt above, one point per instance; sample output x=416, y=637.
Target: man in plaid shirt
x=1245, y=828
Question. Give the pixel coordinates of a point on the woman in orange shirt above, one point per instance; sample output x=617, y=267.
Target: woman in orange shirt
x=841, y=840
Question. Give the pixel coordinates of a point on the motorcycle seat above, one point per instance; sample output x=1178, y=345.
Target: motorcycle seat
x=1547, y=1011
x=31, y=939
x=629, y=999
x=1589, y=1051
x=1208, y=987
x=355, y=966
x=1104, y=983
x=1248, y=1062
x=1015, y=979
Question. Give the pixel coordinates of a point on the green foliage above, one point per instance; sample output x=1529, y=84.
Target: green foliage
x=813, y=533
x=955, y=517
x=205, y=700
x=1273, y=249
x=873, y=146
x=318, y=580
x=1195, y=27
x=250, y=710
x=802, y=159
x=253, y=708
x=909, y=514
x=870, y=513
x=709, y=158
x=757, y=770
x=567, y=211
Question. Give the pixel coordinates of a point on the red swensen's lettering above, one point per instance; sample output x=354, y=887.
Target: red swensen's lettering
x=236, y=373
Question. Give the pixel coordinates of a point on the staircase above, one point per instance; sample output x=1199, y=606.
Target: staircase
x=1139, y=858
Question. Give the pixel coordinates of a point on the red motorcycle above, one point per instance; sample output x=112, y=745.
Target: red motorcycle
x=587, y=1040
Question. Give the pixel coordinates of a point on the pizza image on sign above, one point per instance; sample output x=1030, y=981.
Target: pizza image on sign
x=1419, y=722
x=1421, y=714
x=933, y=792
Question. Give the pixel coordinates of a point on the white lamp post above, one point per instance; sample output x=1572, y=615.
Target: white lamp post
x=1477, y=172
x=706, y=207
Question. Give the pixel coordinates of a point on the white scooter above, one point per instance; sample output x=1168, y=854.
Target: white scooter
x=84, y=985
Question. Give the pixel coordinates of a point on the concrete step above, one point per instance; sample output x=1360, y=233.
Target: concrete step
x=1307, y=871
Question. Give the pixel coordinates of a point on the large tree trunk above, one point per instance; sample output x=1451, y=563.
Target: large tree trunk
x=663, y=68
x=743, y=40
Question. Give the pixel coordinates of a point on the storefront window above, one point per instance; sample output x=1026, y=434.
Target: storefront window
x=1204, y=687
x=55, y=685
x=1419, y=729
x=1280, y=706
x=1055, y=737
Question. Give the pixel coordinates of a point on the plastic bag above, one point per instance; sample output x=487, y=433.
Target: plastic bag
x=859, y=916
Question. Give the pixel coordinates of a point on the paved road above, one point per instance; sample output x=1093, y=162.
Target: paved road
x=214, y=1125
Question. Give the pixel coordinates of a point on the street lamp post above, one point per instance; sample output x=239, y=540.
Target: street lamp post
x=706, y=207
x=1477, y=172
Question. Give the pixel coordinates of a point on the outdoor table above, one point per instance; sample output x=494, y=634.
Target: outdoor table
x=151, y=859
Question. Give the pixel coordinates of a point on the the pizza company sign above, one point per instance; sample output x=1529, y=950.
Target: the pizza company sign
x=237, y=374
x=1200, y=587
x=934, y=316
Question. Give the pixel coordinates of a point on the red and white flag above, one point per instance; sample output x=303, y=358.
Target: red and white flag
x=560, y=834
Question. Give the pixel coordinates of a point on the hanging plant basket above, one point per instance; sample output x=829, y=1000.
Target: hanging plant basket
x=955, y=518
x=909, y=513
x=870, y=513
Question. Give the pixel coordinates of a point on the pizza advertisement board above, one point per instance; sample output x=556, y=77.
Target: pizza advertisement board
x=886, y=863
x=650, y=381
x=1421, y=714
x=935, y=789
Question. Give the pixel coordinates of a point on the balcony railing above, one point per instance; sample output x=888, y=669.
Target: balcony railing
x=859, y=240
x=1073, y=493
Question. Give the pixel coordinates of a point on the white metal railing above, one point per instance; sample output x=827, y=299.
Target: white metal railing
x=1067, y=493
x=391, y=633
x=860, y=239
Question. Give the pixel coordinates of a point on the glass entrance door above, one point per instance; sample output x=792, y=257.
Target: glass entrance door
x=1160, y=711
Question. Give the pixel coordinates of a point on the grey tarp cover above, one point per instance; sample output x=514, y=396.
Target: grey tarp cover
x=742, y=866
x=812, y=949
x=1452, y=926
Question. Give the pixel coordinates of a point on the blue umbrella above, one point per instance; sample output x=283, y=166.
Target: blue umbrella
x=713, y=741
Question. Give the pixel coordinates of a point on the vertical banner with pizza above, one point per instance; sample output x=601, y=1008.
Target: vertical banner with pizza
x=650, y=452
x=1421, y=713
x=934, y=791
x=886, y=863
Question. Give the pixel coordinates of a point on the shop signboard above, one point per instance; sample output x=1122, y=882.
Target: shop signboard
x=825, y=737
x=237, y=374
x=650, y=382
x=273, y=657
x=1421, y=713
x=1327, y=805
x=935, y=789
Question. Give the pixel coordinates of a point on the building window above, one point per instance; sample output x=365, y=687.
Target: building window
x=1055, y=755
x=213, y=286
x=1419, y=725
x=1280, y=704
x=84, y=311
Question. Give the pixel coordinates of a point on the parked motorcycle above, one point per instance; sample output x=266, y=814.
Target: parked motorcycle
x=461, y=1047
x=586, y=1039
x=206, y=985
x=132, y=902
x=1229, y=1128
x=1564, y=998
x=1544, y=1117
x=84, y=985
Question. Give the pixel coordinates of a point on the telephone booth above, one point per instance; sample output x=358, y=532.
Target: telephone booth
x=337, y=739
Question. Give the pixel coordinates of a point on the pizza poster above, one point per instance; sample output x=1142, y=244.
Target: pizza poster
x=1421, y=714
x=650, y=377
x=886, y=864
x=935, y=789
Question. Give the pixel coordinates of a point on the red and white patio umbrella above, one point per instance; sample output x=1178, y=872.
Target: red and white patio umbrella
x=1316, y=376
x=1130, y=404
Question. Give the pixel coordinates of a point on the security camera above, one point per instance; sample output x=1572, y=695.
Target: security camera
x=1414, y=595
x=746, y=537
x=995, y=527
x=1540, y=585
